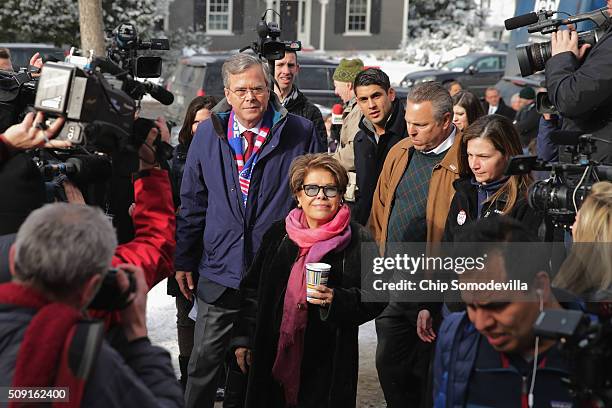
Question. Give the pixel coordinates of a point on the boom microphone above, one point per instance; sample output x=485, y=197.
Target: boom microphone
x=159, y=93
x=521, y=21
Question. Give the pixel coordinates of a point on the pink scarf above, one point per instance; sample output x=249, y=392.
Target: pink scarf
x=314, y=244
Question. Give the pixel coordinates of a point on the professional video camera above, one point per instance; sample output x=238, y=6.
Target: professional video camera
x=269, y=47
x=560, y=196
x=17, y=92
x=533, y=57
x=585, y=342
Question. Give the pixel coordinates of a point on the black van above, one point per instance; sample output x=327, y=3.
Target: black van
x=22, y=52
x=201, y=75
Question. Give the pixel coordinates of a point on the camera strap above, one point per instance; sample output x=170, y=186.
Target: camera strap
x=85, y=346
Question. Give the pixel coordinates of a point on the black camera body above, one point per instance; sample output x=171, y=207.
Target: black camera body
x=584, y=338
x=124, y=52
x=110, y=297
x=560, y=196
x=97, y=114
x=17, y=92
x=532, y=57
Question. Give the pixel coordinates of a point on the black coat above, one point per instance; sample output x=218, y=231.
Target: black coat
x=502, y=109
x=466, y=200
x=331, y=354
x=527, y=122
x=582, y=92
x=301, y=106
x=370, y=157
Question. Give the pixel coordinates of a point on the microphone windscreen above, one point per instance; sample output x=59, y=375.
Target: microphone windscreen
x=521, y=21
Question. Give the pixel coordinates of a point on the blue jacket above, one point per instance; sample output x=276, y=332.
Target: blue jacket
x=456, y=352
x=212, y=215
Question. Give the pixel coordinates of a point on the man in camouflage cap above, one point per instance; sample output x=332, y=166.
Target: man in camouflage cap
x=344, y=75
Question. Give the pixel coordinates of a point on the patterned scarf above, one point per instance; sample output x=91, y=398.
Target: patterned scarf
x=235, y=141
x=314, y=244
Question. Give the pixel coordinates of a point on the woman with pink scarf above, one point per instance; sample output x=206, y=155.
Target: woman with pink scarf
x=301, y=353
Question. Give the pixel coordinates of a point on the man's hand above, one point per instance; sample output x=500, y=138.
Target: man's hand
x=424, y=326
x=36, y=61
x=73, y=194
x=185, y=282
x=244, y=358
x=133, y=317
x=29, y=134
x=163, y=127
x=147, y=151
x=567, y=40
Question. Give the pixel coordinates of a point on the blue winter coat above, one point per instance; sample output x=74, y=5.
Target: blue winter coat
x=456, y=352
x=212, y=212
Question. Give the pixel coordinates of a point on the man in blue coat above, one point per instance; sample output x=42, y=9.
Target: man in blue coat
x=234, y=186
x=485, y=357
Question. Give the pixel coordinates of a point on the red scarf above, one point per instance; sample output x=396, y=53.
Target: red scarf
x=314, y=244
x=42, y=360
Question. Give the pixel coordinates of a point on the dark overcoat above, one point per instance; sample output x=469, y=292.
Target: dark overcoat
x=331, y=354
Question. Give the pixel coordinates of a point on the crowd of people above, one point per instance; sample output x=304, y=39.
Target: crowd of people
x=253, y=193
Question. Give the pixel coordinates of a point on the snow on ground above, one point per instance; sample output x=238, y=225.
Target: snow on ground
x=161, y=322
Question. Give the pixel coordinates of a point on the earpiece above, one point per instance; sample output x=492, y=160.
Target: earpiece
x=540, y=293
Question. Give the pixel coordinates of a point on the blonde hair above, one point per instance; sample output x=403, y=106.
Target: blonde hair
x=589, y=265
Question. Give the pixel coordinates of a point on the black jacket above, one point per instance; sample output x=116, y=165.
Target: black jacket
x=527, y=122
x=370, y=157
x=331, y=354
x=582, y=92
x=502, y=109
x=465, y=202
x=140, y=375
x=301, y=106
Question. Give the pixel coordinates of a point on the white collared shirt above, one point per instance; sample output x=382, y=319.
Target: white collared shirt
x=492, y=109
x=445, y=145
x=243, y=129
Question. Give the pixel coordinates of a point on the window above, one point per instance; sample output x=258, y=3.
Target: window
x=219, y=16
x=358, y=16
x=488, y=64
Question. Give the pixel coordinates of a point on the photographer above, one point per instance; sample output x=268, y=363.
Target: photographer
x=152, y=247
x=580, y=85
x=59, y=259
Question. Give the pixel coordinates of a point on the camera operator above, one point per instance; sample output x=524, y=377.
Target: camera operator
x=493, y=342
x=580, y=85
x=152, y=247
x=59, y=259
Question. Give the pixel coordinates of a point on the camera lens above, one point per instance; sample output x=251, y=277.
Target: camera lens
x=532, y=58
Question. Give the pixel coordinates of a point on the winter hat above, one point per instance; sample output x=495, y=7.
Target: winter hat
x=348, y=70
x=527, y=93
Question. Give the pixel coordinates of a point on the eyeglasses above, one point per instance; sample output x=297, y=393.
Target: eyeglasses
x=312, y=190
x=242, y=92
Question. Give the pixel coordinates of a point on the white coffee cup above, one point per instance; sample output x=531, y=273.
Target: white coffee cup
x=316, y=274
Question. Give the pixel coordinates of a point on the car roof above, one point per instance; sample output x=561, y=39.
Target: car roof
x=219, y=57
x=27, y=45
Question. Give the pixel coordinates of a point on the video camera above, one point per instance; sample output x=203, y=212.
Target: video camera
x=533, y=57
x=269, y=47
x=586, y=344
x=560, y=196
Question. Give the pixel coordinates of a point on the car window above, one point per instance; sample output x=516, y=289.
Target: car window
x=488, y=64
x=458, y=64
x=214, y=81
x=502, y=62
x=315, y=78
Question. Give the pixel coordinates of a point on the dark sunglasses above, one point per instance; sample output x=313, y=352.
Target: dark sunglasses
x=312, y=190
